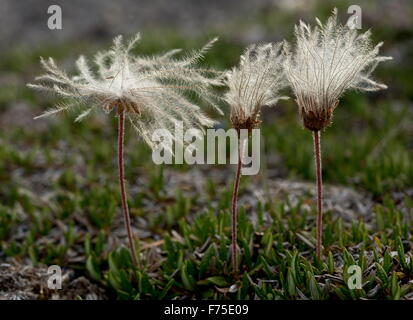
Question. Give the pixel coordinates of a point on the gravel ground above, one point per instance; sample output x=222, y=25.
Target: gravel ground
x=25, y=282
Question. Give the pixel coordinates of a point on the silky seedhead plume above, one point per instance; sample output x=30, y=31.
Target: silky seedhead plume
x=255, y=83
x=327, y=60
x=150, y=90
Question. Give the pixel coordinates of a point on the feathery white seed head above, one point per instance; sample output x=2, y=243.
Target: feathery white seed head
x=150, y=90
x=255, y=83
x=327, y=60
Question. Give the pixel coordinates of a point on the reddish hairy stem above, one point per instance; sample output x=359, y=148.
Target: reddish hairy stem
x=319, y=178
x=234, y=212
x=125, y=208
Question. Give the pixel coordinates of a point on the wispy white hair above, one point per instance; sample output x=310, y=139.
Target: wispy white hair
x=255, y=83
x=329, y=59
x=150, y=90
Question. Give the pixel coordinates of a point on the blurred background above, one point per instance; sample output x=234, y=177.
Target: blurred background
x=52, y=169
x=374, y=130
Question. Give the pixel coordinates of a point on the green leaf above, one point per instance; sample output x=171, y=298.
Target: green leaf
x=206, y=259
x=387, y=261
x=187, y=280
x=395, y=288
x=92, y=268
x=330, y=264
x=247, y=253
x=113, y=280
x=292, y=292
x=381, y=273
x=112, y=264
x=315, y=291
x=401, y=254
x=218, y=280
x=166, y=289
x=245, y=285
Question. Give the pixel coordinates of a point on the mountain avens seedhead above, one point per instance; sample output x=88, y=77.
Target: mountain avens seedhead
x=149, y=91
x=327, y=60
x=255, y=83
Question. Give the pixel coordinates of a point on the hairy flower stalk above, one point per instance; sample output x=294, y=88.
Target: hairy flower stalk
x=148, y=91
x=234, y=211
x=319, y=183
x=328, y=60
x=255, y=83
x=125, y=207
